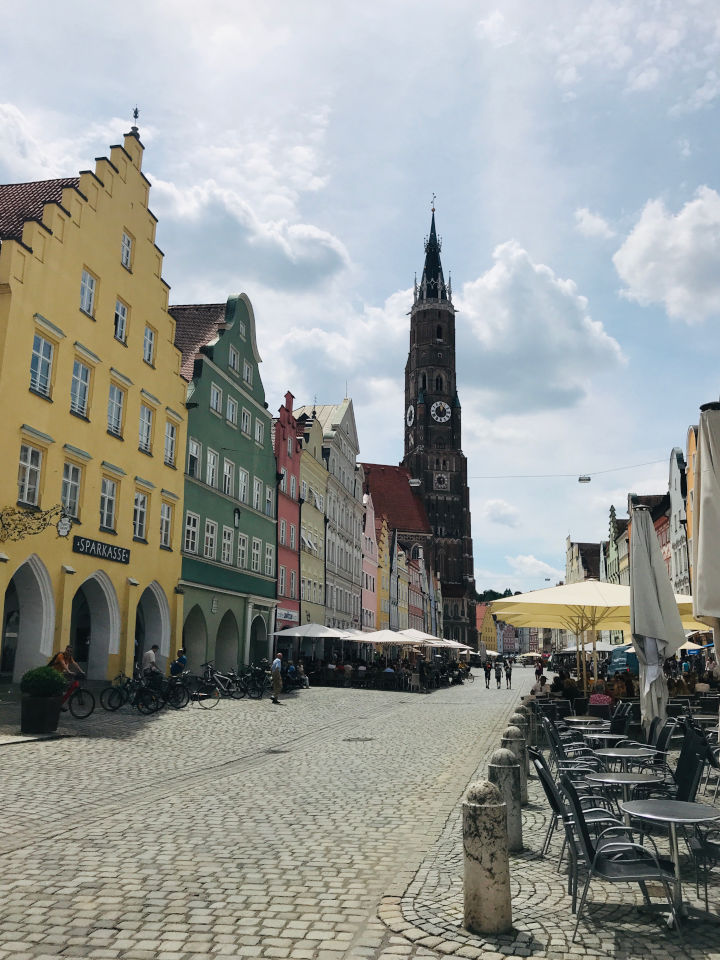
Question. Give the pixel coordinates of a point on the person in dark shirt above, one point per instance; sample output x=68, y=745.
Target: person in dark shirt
x=179, y=663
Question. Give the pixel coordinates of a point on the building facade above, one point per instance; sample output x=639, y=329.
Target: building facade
x=291, y=497
x=690, y=499
x=313, y=480
x=679, y=553
x=384, y=537
x=93, y=422
x=229, y=526
x=369, y=567
x=433, y=443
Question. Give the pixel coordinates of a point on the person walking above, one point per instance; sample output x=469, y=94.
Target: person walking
x=498, y=673
x=508, y=675
x=276, y=671
x=488, y=672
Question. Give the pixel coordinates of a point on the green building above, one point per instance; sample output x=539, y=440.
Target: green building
x=229, y=537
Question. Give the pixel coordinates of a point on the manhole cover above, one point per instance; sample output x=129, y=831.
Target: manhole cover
x=358, y=739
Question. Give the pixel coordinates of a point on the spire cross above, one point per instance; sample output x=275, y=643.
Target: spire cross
x=432, y=204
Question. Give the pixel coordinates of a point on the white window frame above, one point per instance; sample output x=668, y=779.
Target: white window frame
x=231, y=411
x=41, y=364
x=303, y=490
x=210, y=540
x=282, y=533
x=259, y=432
x=166, y=516
x=29, y=474
x=140, y=512
x=228, y=477
x=194, y=454
x=228, y=542
x=108, y=502
x=216, y=398
x=234, y=359
x=242, y=554
x=191, y=533
x=256, y=554
x=170, y=442
x=270, y=560
x=70, y=494
x=211, y=467
x=247, y=373
x=283, y=479
x=88, y=285
x=245, y=421
x=293, y=487
x=269, y=502
x=292, y=536
x=149, y=345
x=145, y=428
x=243, y=485
x=126, y=250
x=290, y=446
x=120, y=321
x=281, y=581
x=293, y=585
x=258, y=486
x=116, y=409
x=80, y=388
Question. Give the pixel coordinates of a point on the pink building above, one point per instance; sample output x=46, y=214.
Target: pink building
x=369, y=603
x=287, y=454
x=416, y=613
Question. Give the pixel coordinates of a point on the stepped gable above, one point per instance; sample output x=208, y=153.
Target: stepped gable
x=395, y=499
x=22, y=202
x=196, y=325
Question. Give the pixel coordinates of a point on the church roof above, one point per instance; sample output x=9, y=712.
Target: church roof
x=395, y=499
x=196, y=325
x=432, y=285
x=21, y=202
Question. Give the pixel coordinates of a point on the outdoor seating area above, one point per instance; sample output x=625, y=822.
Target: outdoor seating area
x=634, y=812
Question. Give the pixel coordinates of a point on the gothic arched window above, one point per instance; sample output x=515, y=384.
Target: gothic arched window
x=423, y=382
x=439, y=333
x=438, y=383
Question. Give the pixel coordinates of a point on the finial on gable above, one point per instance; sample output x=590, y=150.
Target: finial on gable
x=134, y=132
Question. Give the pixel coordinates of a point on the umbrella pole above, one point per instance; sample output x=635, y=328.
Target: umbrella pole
x=593, y=633
x=584, y=663
x=577, y=655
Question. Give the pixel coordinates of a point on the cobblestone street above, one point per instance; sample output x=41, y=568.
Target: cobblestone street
x=322, y=829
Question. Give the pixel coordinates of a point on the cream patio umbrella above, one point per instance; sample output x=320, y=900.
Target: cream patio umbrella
x=706, y=519
x=578, y=607
x=655, y=624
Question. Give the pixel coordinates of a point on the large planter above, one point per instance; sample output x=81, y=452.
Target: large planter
x=39, y=714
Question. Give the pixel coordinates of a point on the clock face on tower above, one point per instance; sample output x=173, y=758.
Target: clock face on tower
x=441, y=481
x=410, y=415
x=440, y=411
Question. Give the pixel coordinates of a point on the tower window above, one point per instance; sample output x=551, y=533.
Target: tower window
x=423, y=382
x=439, y=332
x=438, y=383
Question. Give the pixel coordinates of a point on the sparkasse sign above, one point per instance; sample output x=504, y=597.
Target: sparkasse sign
x=104, y=551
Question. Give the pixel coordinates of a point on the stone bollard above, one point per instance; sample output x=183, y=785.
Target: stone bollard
x=519, y=721
x=488, y=907
x=514, y=741
x=529, y=721
x=504, y=772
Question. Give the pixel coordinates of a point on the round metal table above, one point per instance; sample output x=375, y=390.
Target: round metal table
x=672, y=813
x=614, y=778
x=625, y=754
x=586, y=721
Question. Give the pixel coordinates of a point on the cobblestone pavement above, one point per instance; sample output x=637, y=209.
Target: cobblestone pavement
x=324, y=829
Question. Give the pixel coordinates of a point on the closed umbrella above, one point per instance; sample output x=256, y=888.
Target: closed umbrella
x=706, y=518
x=654, y=618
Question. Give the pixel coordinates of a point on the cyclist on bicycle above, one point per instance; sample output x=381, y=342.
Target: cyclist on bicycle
x=64, y=663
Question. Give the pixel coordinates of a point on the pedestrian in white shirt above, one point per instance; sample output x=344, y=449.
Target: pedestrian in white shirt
x=149, y=662
x=276, y=671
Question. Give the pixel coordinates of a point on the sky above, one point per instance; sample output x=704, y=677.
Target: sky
x=294, y=149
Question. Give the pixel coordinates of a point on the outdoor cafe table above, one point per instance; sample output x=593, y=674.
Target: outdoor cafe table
x=591, y=735
x=626, y=781
x=672, y=813
x=586, y=721
x=625, y=754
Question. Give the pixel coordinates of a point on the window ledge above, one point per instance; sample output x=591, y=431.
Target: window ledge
x=148, y=363
x=148, y=453
x=118, y=436
x=169, y=463
x=108, y=530
x=80, y=416
x=163, y=547
x=87, y=314
x=121, y=341
x=139, y=540
x=39, y=393
x=31, y=507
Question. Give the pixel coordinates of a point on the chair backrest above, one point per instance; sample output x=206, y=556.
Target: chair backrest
x=547, y=782
x=666, y=731
x=580, y=705
x=691, y=762
x=599, y=710
x=619, y=724
x=576, y=810
x=654, y=730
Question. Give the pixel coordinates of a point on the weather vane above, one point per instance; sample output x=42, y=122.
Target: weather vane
x=136, y=114
x=432, y=205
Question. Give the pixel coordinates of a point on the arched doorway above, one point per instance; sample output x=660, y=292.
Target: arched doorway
x=152, y=624
x=28, y=620
x=195, y=639
x=95, y=625
x=227, y=654
x=258, y=640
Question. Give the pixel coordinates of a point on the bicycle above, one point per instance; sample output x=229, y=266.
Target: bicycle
x=204, y=691
x=227, y=684
x=79, y=701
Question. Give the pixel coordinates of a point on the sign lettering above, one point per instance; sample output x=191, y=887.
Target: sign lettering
x=103, y=551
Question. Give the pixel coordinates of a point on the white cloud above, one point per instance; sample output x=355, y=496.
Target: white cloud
x=529, y=567
x=592, y=224
x=501, y=512
x=495, y=30
x=673, y=259
x=532, y=343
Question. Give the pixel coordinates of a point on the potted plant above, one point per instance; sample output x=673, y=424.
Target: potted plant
x=42, y=690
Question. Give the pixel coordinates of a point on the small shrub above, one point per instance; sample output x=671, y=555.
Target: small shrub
x=43, y=682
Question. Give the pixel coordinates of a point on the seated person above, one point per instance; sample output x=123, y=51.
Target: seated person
x=629, y=682
x=540, y=689
x=618, y=689
x=681, y=687
x=303, y=677
x=599, y=696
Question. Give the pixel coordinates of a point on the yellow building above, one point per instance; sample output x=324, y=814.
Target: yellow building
x=488, y=631
x=383, y=575
x=313, y=485
x=93, y=421
x=691, y=456
x=403, y=585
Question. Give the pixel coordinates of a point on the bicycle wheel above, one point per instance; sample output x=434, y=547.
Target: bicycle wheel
x=146, y=701
x=469, y=677
x=237, y=690
x=178, y=696
x=110, y=698
x=255, y=689
x=208, y=696
x=81, y=704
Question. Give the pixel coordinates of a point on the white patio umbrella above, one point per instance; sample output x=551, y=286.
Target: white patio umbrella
x=311, y=630
x=654, y=618
x=420, y=637
x=706, y=519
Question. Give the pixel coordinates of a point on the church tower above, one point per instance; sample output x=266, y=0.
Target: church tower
x=433, y=444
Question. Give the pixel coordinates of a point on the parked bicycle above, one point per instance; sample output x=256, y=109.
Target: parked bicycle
x=78, y=700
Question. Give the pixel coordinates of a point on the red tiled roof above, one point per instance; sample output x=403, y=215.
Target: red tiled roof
x=195, y=326
x=394, y=498
x=20, y=202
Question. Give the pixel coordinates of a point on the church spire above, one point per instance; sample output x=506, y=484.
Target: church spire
x=433, y=286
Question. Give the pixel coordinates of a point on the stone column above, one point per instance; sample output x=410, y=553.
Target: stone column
x=514, y=741
x=488, y=908
x=504, y=772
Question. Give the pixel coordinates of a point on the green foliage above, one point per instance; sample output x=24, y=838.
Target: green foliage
x=487, y=595
x=43, y=682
